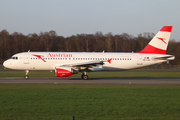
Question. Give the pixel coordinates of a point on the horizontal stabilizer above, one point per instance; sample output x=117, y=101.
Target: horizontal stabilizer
x=168, y=57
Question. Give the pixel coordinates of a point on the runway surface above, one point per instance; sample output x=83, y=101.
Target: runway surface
x=93, y=80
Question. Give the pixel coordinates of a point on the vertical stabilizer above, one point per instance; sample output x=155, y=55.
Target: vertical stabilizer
x=158, y=45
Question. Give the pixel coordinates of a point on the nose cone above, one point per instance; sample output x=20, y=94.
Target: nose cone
x=9, y=64
x=5, y=64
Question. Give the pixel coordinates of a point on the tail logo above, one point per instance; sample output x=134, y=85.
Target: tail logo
x=40, y=56
x=162, y=39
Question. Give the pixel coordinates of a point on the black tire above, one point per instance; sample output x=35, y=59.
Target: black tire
x=85, y=77
x=82, y=76
x=26, y=77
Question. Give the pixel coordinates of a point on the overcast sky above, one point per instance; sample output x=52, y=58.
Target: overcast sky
x=71, y=17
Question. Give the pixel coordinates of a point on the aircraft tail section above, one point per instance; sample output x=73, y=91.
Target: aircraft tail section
x=159, y=43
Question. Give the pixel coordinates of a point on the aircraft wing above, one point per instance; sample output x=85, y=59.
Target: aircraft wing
x=85, y=64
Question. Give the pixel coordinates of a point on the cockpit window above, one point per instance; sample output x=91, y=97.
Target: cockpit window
x=15, y=58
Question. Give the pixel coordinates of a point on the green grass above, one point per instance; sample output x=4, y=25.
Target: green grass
x=89, y=102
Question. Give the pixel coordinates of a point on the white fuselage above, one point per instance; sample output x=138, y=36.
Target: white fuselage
x=50, y=60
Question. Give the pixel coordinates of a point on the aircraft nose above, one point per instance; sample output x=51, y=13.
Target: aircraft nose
x=6, y=64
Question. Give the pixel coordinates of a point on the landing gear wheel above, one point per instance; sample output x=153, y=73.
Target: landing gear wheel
x=26, y=77
x=85, y=77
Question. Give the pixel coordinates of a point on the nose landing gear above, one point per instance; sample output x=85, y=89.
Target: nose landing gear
x=27, y=76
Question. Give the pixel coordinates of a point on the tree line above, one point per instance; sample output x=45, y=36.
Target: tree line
x=11, y=44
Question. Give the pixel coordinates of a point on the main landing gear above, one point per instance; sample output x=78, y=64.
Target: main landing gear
x=26, y=76
x=84, y=76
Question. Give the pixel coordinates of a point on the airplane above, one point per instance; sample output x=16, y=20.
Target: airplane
x=67, y=63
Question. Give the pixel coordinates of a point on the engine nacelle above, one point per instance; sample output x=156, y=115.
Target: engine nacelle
x=64, y=71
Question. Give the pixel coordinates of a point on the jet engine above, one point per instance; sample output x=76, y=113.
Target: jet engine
x=65, y=71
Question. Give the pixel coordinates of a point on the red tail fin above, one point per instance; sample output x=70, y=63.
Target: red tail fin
x=159, y=43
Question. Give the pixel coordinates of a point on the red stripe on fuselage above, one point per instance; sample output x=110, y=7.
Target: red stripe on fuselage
x=152, y=50
x=166, y=28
